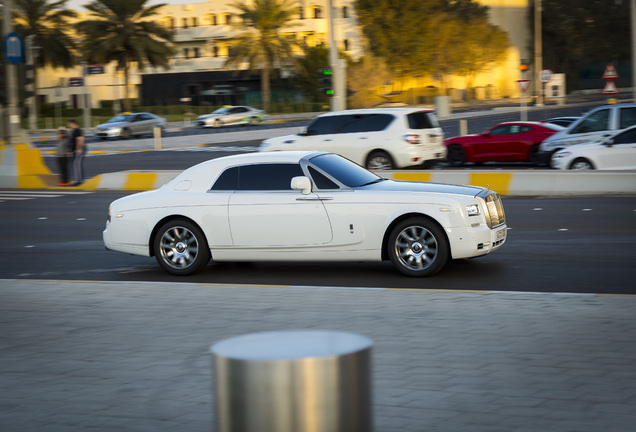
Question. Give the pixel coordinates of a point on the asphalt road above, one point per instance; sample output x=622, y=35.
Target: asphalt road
x=559, y=245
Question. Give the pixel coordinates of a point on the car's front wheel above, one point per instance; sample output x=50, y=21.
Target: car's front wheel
x=180, y=248
x=125, y=133
x=456, y=155
x=217, y=123
x=379, y=160
x=581, y=164
x=418, y=247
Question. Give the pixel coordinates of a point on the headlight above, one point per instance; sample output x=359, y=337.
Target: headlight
x=560, y=155
x=473, y=210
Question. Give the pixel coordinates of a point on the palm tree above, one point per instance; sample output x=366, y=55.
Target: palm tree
x=263, y=45
x=122, y=31
x=46, y=22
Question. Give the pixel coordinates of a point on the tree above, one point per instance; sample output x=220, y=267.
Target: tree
x=123, y=31
x=584, y=36
x=263, y=45
x=46, y=22
x=365, y=77
x=483, y=44
x=423, y=37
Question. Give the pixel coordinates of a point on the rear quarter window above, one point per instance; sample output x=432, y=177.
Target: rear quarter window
x=627, y=117
x=422, y=120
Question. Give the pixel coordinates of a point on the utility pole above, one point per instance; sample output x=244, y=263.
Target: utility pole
x=31, y=84
x=538, y=50
x=633, y=21
x=338, y=66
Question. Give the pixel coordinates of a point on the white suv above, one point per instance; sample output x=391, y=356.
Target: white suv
x=378, y=138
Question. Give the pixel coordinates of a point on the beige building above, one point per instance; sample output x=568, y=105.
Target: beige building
x=203, y=34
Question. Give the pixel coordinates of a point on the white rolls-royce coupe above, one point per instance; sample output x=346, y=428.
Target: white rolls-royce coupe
x=303, y=206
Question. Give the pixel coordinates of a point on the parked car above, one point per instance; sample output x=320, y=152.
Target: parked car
x=379, y=138
x=562, y=121
x=231, y=115
x=506, y=142
x=594, y=126
x=303, y=206
x=614, y=153
x=127, y=125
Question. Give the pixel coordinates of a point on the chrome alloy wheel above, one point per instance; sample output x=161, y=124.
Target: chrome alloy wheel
x=179, y=247
x=416, y=248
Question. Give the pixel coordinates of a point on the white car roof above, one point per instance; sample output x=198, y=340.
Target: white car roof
x=378, y=111
x=200, y=175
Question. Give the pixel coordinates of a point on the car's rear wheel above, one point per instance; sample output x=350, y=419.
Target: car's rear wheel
x=180, y=248
x=581, y=164
x=456, y=155
x=379, y=160
x=418, y=247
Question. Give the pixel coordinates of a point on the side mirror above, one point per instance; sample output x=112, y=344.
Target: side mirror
x=303, y=131
x=609, y=142
x=302, y=184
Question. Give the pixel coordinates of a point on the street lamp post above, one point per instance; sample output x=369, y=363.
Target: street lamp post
x=14, y=129
x=538, y=50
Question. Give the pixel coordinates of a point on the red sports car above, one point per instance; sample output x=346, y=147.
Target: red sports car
x=506, y=142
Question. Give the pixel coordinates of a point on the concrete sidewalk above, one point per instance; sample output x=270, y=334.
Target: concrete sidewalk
x=113, y=356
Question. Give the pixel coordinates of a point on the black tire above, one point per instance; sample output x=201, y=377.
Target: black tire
x=252, y=121
x=217, y=123
x=125, y=133
x=456, y=155
x=180, y=248
x=418, y=247
x=581, y=164
x=379, y=160
x=534, y=155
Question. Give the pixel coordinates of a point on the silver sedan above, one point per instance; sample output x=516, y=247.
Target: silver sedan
x=128, y=125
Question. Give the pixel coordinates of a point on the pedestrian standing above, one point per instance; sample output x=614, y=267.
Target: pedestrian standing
x=62, y=151
x=77, y=144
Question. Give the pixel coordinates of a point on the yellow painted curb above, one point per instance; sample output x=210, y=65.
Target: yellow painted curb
x=140, y=181
x=499, y=182
x=415, y=176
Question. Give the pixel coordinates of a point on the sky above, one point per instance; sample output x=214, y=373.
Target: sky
x=77, y=4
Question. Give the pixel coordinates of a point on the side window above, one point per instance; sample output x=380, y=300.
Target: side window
x=323, y=125
x=501, y=130
x=364, y=122
x=228, y=180
x=599, y=121
x=268, y=176
x=627, y=137
x=525, y=129
x=321, y=180
x=515, y=129
x=627, y=117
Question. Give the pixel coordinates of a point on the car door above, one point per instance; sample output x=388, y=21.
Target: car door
x=358, y=134
x=319, y=135
x=494, y=144
x=620, y=154
x=592, y=128
x=235, y=115
x=265, y=212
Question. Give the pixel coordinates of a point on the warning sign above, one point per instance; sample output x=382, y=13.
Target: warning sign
x=610, y=72
x=610, y=88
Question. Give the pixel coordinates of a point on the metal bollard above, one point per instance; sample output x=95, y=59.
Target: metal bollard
x=293, y=381
x=156, y=131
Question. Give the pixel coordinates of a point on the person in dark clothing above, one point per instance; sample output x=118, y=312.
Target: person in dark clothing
x=62, y=156
x=78, y=149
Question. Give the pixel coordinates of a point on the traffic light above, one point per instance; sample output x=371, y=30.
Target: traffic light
x=523, y=66
x=326, y=75
x=3, y=85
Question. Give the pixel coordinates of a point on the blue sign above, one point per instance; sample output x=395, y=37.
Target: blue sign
x=95, y=70
x=76, y=82
x=13, y=48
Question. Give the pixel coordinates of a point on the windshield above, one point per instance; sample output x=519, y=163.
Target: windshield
x=346, y=172
x=119, y=118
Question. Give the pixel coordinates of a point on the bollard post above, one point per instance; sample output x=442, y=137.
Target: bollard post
x=293, y=381
x=157, y=134
x=463, y=127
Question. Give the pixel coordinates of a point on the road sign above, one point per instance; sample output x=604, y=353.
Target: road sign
x=13, y=48
x=523, y=85
x=95, y=69
x=76, y=82
x=610, y=72
x=545, y=76
x=610, y=87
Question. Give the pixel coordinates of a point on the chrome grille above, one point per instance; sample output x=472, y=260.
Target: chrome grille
x=495, y=215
